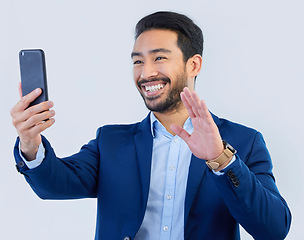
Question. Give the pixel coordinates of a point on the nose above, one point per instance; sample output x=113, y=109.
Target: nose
x=148, y=71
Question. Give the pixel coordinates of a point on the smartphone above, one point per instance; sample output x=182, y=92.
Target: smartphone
x=33, y=73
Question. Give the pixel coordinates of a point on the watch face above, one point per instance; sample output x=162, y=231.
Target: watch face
x=227, y=145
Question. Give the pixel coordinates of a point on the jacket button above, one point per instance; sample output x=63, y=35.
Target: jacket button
x=233, y=178
x=126, y=238
x=21, y=164
x=236, y=184
x=230, y=173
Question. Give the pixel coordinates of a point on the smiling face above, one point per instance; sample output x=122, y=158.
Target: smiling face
x=160, y=72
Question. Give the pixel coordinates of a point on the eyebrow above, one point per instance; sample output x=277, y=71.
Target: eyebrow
x=157, y=50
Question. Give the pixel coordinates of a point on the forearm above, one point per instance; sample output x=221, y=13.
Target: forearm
x=254, y=201
x=67, y=178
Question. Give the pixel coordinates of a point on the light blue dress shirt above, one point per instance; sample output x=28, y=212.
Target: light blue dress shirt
x=171, y=156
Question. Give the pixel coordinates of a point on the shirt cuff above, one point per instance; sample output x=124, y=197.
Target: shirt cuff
x=219, y=173
x=39, y=157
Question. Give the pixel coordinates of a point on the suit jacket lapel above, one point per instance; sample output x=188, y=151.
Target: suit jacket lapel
x=144, y=145
x=197, y=170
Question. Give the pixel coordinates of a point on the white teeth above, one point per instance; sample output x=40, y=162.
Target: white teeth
x=154, y=88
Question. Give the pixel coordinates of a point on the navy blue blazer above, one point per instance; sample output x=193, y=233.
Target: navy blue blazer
x=115, y=167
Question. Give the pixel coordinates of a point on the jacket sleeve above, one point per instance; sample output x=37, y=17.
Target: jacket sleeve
x=63, y=178
x=249, y=190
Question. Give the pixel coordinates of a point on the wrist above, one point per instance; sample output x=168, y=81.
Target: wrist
x=223, y=160
x=29, y=151
x=225, y=164
x=29, y=155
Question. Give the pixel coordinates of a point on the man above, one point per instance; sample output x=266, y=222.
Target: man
x=170, y=176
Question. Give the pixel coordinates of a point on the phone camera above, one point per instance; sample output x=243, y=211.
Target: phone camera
x=22, y=53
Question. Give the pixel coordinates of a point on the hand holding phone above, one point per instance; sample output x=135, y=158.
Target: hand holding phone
x=32, y=114
x=33, y=73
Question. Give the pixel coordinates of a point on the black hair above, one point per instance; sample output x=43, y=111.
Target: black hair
x=190, y=37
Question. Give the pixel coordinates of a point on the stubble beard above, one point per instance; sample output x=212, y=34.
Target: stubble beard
x=172, y=102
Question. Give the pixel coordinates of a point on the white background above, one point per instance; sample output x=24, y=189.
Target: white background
x=252, y=74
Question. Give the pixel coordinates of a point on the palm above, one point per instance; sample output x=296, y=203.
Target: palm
x=205, y=141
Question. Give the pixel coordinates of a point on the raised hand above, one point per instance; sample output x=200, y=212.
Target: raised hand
x=29, y=122
x=205, y=141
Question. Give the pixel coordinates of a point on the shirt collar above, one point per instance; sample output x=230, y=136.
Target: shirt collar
x=153, y=119
x=156, y=125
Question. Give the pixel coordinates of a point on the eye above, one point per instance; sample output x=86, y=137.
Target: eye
x=160, y=58
x=137, y=62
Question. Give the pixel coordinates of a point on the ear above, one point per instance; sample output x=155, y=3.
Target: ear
x=194, y=65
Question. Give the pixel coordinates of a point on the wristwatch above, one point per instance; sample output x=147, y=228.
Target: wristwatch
x=227, y=154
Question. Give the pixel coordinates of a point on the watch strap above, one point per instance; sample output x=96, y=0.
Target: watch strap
x=227, y=154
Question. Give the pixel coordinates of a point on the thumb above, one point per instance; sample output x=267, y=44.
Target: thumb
x=179, y=131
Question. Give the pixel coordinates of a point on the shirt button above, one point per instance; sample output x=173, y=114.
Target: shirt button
x=172, y=167
x=175, y=140
x=166, y=228
x=169, y=197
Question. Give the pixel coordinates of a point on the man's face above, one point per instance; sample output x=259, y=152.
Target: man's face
x=159, y=70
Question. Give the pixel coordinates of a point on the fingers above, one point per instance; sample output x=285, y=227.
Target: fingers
x=26, y=100
x=187, y=105
x=195, y=106
x=30, y=122
x=34, y=120
x=192, y=102
x=34, y=131
x=34, y=110
x=38, y=128
x=35, y=124
x=205, y=110
x=32, y=115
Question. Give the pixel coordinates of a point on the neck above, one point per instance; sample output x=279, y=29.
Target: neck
x=177, y=116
